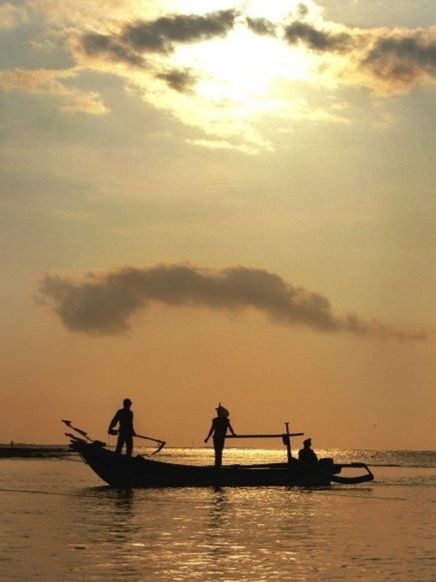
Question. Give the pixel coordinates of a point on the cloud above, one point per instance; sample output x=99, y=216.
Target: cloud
x=233, y=74
x=12, y=16
x=381, y=59
x=181, y=80
x=384, y=60
x=134, y=40
x=101, y=305
x=49, y=82
x=317, y=40
x=403, y=58
x=261, y=26
x=104, y=45
x=157, y=36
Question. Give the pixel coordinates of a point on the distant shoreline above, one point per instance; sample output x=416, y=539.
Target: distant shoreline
x=24, y=451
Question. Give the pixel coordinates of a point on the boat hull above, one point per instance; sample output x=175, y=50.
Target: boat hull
x=123, y=472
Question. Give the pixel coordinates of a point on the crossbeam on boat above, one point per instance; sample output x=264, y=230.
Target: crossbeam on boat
x=263, y=436
x=285, y=436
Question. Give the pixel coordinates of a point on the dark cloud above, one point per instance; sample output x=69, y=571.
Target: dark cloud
x=181, y=80
x=384, y=60
x=317, y=40
x=105, y=304
x=156, y=36
x=261, y=26
x=302, y=10
x=394, y=59
x=402, y=59
x=103, y=45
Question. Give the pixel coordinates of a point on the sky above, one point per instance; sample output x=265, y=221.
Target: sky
x=222, y=201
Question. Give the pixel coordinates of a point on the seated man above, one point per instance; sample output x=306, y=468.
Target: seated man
x=307, y=455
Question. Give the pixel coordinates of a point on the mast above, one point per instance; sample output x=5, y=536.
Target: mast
x=287, y=441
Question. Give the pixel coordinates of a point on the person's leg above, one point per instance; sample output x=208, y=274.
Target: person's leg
x=120, y=443
x=129, y=446
x=218, y=445
x=218, y=457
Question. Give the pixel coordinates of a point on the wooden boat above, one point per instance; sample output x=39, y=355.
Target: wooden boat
x=125, y=472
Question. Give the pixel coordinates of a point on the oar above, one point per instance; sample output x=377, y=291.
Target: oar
x=160, y=442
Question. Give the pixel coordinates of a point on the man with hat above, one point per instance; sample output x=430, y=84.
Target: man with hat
x=124, y=418
x=219, y=427
x=306, y=454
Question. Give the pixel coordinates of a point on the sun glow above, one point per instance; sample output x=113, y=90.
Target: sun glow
x=241, y=69
x=235, y=85
x=275, y=10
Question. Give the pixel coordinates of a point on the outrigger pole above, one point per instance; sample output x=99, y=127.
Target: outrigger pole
x=159, y=441
x=286, y=438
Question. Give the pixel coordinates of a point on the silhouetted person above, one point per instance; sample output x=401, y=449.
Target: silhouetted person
x=124, y=418
x=219, y=427
x=306, y=454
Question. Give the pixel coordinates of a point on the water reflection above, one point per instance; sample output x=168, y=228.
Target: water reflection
x=101, y=534
x=219, y=509
x=106, y=519
x=216, y=534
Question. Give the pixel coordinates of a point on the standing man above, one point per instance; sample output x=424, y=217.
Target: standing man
x=219, y=427
x=124, y=418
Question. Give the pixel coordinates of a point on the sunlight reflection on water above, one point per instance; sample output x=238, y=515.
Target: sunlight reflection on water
x=79, y=531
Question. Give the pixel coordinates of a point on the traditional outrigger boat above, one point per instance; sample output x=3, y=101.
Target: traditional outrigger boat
x=125, y=472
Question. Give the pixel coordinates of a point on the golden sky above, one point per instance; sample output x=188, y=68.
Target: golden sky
x=233, y=202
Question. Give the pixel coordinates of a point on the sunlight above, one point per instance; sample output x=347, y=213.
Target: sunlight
x=276, y=10
x=237, y=83
x=240, y=69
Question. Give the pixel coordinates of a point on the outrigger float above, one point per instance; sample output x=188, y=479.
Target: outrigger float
x=125, y=472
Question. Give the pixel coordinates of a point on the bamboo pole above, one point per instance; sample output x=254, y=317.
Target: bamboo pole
x=286, y=438
x=287, y=441
x=263, y=436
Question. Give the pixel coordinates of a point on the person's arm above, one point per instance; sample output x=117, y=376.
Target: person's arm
x=209, y=434
x=113, y=423
x=231, y=430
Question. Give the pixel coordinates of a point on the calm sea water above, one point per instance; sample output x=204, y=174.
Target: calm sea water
x=60, y=523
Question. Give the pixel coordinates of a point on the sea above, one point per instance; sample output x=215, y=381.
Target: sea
x=59, y=522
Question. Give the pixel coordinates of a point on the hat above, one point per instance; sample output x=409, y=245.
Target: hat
x=222, y=411
x=307, y=441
